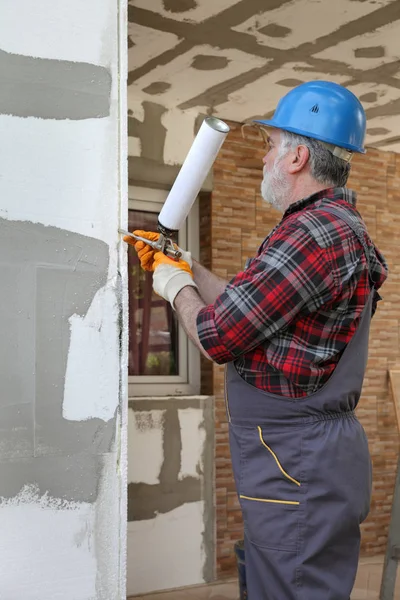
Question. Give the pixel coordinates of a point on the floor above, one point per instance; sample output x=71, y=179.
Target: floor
x=367, y=587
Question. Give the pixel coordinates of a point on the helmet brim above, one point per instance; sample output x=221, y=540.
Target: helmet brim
x=275, y=125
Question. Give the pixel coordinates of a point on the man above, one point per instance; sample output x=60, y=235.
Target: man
x=293, y=329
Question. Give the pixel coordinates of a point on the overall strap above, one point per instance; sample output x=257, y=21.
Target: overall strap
x=356, y=225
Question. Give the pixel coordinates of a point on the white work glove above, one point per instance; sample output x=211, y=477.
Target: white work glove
x=170, y=276
x=146, y=252
x=186, y=256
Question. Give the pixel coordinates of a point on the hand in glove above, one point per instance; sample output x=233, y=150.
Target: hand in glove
x=170, y=276
x=146, y=252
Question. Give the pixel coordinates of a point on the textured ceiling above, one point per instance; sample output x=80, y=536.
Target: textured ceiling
x=236, y=59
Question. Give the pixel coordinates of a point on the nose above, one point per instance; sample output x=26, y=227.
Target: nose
x=265, y=159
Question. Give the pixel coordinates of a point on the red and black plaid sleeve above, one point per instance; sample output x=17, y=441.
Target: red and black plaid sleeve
x=294, y=274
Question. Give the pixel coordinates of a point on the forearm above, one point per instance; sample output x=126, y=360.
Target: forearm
x=210, y=286
x=187, y=306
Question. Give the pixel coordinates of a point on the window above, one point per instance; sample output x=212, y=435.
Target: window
x=162, y=360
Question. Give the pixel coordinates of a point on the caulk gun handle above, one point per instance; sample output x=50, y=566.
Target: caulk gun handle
x=168, y=248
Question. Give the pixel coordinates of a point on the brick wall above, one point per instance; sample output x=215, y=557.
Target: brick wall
x=207, y=373
x=237, y=220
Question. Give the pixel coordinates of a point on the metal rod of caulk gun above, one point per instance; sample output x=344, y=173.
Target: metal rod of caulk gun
x=157, y=245
x=188, y=183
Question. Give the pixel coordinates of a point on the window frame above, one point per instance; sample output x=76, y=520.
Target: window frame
x=187, y=383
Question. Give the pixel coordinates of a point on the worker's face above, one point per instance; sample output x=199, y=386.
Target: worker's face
x=275, y=184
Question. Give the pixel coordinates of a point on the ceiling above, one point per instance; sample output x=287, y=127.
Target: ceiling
x=236, y=59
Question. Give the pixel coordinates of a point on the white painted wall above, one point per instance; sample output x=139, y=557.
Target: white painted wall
x=167, y=551
x=63, y=175
x=71, y=174
x=74, y=30
x=41, y=534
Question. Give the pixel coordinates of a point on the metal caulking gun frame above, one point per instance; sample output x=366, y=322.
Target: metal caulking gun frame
x=163, y=244
x=187, y=185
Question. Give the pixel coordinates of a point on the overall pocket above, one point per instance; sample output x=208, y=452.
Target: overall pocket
x=270, y=487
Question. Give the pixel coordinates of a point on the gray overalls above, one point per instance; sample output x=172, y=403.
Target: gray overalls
x=303, y=475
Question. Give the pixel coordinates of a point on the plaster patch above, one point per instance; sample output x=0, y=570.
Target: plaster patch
x=149, y=44
x=387, y=122
x=92, y=375
x=290, y=83
x=146, y=502
x=209, y=62
x=157, y=88
x=245, y=103
x=145, y=446
x=366, y=91
x=302, y=17
x=58, y=474
x=391, y=148
x=179, y=6
x=110, y=545
x=53, y=89
x=48, y=275
x=147, y=421
x=371, y=52
x=134, y=146
x=179, y=71
x=378, y=131
x=40, y=531
x=275, y=31
x=193, y=437
x=74, y=30
x=150, y=131
x=63, y=177
x=385, y=37
x=204, y=9
x=176, y=146
x=156, y=547
x=369, y=98
x=136, y=108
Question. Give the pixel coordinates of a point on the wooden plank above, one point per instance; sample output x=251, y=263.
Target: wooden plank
x=393, y=544
x=394, y=376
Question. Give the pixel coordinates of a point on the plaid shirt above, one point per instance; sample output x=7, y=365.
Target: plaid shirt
x=286, y=319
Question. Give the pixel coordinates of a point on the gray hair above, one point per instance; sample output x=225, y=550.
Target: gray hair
x=326, y=168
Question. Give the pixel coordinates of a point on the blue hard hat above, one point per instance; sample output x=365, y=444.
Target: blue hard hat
x=325, y=111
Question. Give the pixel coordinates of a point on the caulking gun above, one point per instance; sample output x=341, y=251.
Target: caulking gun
x=187, y=185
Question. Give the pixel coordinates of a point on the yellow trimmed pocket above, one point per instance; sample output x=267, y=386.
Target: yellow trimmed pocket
x=282, y=470
x=291, y=502
x=228, y=414
x=270, y=494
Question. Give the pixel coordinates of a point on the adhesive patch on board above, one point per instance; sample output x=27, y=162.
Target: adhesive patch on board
x=92, y=376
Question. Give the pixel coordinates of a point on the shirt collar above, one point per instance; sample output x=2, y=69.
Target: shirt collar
x=339, y=193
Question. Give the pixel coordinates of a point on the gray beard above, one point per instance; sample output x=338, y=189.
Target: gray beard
x=275, y=189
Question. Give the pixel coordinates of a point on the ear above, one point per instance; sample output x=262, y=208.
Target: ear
x=299, y=159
